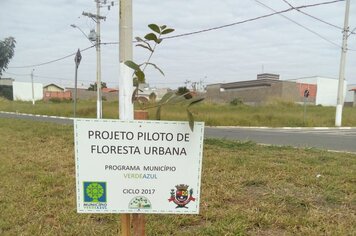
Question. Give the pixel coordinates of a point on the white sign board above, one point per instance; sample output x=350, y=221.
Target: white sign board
x=138, y=166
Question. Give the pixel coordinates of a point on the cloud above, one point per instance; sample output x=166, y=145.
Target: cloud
x=43, y=33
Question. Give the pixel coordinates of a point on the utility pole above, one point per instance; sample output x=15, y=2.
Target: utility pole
x=97, y=18
x=33, y=90
x=125, y=80
x=340, y=94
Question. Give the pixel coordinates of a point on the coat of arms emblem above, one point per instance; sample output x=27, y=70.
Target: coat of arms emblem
x=181, y=197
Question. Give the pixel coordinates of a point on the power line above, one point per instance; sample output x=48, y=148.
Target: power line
x=243, y=21
x=66, y=79
x=48, y=62
x=213, y=28
x=304, y=27
x=252, y=19
x=16, y=74
x=50, y=77
x=316, y=18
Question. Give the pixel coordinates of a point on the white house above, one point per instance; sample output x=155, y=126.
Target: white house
x=22, y=91
x=145, y=90
x=327, y=89
x=350, y=93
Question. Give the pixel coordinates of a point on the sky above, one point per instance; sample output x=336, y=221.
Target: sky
x=291, y=44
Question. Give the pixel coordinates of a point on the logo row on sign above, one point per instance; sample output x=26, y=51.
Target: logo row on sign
x=95, y=196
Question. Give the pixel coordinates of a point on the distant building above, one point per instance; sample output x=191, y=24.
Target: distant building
x=52, y=88
x=145, y=90
x=266, y=87
x=53, y=91
x=6, y=81
x=327, y=89
x=109, y=90
x=85, y=94
x=350, y=98
x=267, y=76
x=6, y=88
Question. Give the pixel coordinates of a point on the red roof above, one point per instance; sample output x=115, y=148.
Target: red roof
x=109, y=90
x=353, y=89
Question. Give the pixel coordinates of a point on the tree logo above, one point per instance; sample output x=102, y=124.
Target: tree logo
x=140, y=202
x=95, y=192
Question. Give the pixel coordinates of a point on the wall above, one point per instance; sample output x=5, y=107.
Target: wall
x=313, y=88
x=253, y=92
x=58, y=95
x=350, y=94
x=327, y=92
x=83, y=94
x=327, y=89
x=22, y=91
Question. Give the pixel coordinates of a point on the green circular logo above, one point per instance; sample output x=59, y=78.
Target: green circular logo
x=95, y=191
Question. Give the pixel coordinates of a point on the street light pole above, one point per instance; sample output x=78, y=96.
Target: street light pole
x=96, y=17
x=77, y=27
x=340, y=94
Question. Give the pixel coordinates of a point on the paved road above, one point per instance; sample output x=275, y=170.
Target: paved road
x=52, y=119
x=343, y=139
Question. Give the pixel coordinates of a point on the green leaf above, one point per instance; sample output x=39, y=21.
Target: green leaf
x=155, y=28
x=166, y=97
x=158, y=113
x=191, y=120
x=195, y=101
x=132, y=65
x=177, y=99
x=167, y=31
x=155, y=66
x=144, y=46
x=151, y=36
x=140, y=76
x=163, y=27
x=133, y=97
x=139, y=39
x=158, y=41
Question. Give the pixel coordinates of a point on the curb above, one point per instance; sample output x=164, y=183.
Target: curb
x=25, y=114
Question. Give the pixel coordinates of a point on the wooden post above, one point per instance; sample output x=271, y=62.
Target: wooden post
x=141, y=115
x=138, y=220
x=138, y=223
x=125, y=225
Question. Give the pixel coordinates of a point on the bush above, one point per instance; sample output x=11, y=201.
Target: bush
x=184, y=91
x=55, y=100
x=59, y=100
x=236, y=102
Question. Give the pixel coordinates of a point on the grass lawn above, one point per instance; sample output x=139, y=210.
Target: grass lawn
x=247, y=189
x=274, y=114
